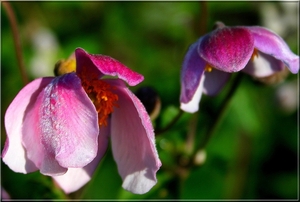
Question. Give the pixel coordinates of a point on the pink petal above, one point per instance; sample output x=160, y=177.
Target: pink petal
x=133, y=142
x=75, y=178
x=227, y=49
x=105, y=65
x=270, y=43
x=14, y=154
x=215, y=81
x=65, y=121
x=4, y=194
x=263, y=65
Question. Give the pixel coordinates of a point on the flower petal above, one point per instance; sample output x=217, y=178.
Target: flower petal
x=227, y=49
x=66, y=123
x=193, y=105
x=75, y=178
x=192, y=69
x=215, y=81
x=4, y=194
x=14, y=154
x=263, y=65
x=191, y=79
x=106, y=65
x=270, y=43
x=133, y=142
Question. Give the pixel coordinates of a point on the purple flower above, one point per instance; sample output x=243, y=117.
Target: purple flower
x=62, y=125
x=210, y=61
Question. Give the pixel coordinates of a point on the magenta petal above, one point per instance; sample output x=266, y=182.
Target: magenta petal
x=270, y=43
x=75, y=178
x=227, y=49
x=215, y=81
x=191, y=79
x=14, y=154
x=263, y=65
x=65, y=122
x=106, y=65
x=133, y=142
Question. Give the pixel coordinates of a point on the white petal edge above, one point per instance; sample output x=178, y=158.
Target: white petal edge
x=75, y=178
x=263, y=65
x=193, y=105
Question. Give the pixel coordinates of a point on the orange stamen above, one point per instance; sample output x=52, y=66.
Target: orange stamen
x=208, y=68
x=101, y=95
x=254, y=54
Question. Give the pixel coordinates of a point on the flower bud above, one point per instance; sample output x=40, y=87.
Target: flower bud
x=200, y=157
x=150, y=99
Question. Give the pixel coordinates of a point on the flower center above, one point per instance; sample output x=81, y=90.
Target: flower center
x=100, y=93
x=65, y=66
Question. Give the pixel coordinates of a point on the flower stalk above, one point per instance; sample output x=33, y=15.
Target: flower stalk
x=16, y=39
x=171, y=124
x=219, y=115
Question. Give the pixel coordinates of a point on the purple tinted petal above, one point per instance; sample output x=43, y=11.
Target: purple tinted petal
x=215, y=81
x=14, y=154
x=263, y=65
x=133, y=142
x=105, y=65
x=227, y=49
x=191, y=79
x=66, y=123
x=270, y=43
x=75, y=178
x=193, y=105
x=192, y=69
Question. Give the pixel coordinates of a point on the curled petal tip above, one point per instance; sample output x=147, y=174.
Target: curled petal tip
x=272, y=44
x=104, y=65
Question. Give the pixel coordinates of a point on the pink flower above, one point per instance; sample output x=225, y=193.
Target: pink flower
x=62, y=125
x=4, y=194
x=210, y=61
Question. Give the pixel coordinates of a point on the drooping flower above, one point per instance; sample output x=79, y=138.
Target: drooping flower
x=61, y=126
x=210, y=61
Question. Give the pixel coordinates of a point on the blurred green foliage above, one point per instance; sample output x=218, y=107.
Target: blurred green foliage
x=254, y=151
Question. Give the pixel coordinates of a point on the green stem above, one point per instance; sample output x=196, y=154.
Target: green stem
x=202, y=30
x=176, y=118
x=203, y=18
x=17, y=42
x=220, y=113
